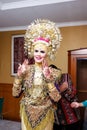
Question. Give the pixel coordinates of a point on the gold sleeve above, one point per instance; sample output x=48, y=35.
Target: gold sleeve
x=53, y=92
x=55, y=74
x=17, y=86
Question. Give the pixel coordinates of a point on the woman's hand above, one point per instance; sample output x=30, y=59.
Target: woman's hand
x=45, y=67
x=22, y=68
x=75, y=104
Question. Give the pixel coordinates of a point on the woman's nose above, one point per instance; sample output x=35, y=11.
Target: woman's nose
x=38, y=53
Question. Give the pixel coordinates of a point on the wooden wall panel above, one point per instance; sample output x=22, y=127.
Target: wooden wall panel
x=11, y=104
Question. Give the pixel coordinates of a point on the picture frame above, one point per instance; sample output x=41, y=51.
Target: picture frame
x=17, y=54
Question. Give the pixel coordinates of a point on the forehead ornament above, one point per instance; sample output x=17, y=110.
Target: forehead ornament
x=45, y=41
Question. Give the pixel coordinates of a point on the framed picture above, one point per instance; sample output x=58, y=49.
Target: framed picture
x=17, y=52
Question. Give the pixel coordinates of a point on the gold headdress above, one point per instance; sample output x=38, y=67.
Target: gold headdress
x=44, y=31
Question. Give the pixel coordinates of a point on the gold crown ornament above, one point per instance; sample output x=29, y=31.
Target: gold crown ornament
x=45, y=32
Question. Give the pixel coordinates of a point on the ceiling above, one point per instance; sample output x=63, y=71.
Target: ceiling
x=18, y=14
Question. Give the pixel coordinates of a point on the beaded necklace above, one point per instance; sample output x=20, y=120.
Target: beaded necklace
x=31, y=77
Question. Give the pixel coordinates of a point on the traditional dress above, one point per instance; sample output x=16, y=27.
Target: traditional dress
x=66, y=116
x=36, y=106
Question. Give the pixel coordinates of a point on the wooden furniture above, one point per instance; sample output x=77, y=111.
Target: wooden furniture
x=77, y=68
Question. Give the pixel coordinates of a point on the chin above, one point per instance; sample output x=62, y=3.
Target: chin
x=38, y=61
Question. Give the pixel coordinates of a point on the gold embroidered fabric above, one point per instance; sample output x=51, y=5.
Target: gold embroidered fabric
x=45, y=124
x=36, y=105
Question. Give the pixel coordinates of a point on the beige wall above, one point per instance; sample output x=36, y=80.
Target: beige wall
x=73, y=38
x=5, y=55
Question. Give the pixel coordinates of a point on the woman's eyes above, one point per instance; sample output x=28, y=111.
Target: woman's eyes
x=36, y=50
x=40, y=51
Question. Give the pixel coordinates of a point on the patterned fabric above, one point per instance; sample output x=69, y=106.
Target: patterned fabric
x=37, y=102
x=47, y=121
x=65, y=114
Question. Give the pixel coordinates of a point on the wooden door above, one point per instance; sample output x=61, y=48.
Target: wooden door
x=77, y=68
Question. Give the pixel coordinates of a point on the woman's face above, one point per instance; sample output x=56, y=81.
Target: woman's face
x=40, y=52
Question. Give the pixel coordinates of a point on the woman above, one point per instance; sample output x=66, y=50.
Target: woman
x=42, y=39
x=67, y=118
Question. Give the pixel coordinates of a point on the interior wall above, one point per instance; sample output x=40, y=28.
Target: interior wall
x=73, y=38
x=6, y=55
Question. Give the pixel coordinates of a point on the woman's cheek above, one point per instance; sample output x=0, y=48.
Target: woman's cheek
x=43, y=55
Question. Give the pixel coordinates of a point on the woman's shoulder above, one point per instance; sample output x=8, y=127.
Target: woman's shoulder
x=55, y=70
x=54, y=67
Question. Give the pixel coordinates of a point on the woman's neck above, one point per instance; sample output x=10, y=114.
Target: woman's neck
x=38, y=65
